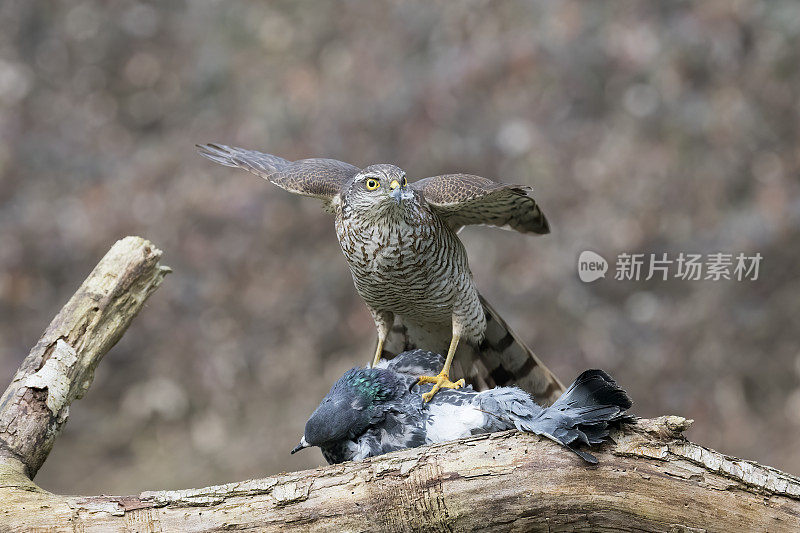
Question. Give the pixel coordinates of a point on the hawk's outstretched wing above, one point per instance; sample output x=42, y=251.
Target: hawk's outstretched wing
x=318, y=178
x=462, y=199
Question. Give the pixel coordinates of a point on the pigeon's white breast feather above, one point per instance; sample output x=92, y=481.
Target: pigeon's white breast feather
x=449, y=422
x=359, y=449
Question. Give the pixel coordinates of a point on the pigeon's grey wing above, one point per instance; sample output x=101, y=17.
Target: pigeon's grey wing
x=414, y=363
x=508, y=407
x=400, y=429
x=463, y=199
x=318, y=178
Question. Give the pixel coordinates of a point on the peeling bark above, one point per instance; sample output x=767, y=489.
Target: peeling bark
x=60, y=368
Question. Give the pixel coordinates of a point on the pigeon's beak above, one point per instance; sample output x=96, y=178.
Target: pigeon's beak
x=397, y=191
x=303, y=444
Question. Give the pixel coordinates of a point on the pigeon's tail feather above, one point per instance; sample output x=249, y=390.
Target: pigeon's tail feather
x=583, y=413
x=594, y=397
x=580, y=416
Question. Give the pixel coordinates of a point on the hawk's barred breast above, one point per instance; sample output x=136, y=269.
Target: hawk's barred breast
x=413, y=266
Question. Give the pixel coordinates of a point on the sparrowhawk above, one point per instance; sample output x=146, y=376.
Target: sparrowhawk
x=409, y=265
x=372, y=411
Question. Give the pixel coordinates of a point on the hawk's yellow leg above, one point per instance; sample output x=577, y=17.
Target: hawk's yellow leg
x=383, y=321
x=442, y=381
x=378, y=351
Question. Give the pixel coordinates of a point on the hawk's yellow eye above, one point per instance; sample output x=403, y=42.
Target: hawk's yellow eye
x=405, y=181
x=372, y=184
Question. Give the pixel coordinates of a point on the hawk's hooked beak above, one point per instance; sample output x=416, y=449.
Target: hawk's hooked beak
x=397, y=191
x=303, y=444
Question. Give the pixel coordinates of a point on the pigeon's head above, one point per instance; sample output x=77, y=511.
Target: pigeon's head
x=380, y=190
x=360, y=398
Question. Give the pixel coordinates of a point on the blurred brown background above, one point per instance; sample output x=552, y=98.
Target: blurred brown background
x=645, y=127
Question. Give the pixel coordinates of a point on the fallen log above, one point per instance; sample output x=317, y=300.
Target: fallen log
x=649, y=478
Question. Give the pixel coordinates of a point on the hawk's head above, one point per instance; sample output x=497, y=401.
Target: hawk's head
x=379, y=190
x=360, y=398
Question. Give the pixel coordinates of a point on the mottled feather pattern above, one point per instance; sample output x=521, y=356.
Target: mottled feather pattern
x=581, y=416
x=463, y=199
x=451, y=190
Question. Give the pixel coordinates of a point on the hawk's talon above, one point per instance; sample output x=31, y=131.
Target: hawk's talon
x=442, y=381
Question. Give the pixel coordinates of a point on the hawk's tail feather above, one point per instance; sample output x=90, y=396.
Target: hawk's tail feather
x=508, y=361
x=500, y=359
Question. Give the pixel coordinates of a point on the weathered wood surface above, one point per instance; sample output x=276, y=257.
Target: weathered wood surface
x=61, y=366
x=649, y=478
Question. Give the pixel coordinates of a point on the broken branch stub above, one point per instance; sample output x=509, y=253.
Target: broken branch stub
x=61, y=366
